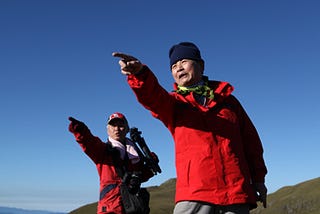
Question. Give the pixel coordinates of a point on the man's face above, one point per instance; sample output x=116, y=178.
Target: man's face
x=117, y=129
x=187, y=72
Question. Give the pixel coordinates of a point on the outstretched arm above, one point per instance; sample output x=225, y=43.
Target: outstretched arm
x=97, y=150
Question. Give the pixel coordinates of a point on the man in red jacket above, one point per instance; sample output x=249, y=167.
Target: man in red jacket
x=118, y=150
x=219, y=155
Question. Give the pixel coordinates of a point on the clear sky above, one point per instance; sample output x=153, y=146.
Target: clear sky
x=56, y=62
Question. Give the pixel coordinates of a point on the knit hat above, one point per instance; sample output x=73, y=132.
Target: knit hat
x=184, y=50
x=118, y=116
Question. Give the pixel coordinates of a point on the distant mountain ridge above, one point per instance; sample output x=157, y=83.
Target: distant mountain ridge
x=9, y=210
x=302, y=198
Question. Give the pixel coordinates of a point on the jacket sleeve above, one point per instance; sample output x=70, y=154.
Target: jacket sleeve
x=96, y=149
x=152, y=95
x=252, y=146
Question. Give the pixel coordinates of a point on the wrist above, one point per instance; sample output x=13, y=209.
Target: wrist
x=141, y=70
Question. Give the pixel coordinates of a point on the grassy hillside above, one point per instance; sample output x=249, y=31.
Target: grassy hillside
x=303, y=198
x=162, y=197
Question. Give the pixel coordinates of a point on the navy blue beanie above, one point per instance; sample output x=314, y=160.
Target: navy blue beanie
x=184, y=50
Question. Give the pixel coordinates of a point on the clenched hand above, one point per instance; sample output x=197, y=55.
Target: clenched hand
x=261, y=189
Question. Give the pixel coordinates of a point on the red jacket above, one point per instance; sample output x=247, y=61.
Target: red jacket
x=99, y=153
x=217, y=148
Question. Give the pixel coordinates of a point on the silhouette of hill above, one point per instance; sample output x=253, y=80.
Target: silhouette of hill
x=303, y=198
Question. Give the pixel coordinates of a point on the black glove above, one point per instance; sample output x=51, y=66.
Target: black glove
x=76, y=126
x=261, y=191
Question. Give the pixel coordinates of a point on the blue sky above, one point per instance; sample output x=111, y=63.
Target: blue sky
x=55, y=62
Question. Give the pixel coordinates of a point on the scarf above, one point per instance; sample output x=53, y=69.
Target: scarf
x=201, y=89
x=129, y=148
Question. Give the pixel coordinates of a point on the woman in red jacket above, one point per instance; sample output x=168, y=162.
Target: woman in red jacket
x=118, y=150
x=219, y=155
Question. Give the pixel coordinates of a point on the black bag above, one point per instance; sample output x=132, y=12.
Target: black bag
x=137, y=200
x=135, y=203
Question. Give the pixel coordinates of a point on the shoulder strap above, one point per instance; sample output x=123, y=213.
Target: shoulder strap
x=121, y=170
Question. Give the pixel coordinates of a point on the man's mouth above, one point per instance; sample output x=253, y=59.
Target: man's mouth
x=182, y=75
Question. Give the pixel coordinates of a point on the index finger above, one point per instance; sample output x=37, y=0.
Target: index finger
x=72, y=119
x=124, y=56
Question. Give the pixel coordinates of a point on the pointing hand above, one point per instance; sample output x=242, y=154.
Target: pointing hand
x=128, y=64
x=76, y=125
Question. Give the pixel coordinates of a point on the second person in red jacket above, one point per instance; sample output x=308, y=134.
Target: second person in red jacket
x=118, y=150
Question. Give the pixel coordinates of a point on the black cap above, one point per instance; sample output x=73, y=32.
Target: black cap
x=184, y=50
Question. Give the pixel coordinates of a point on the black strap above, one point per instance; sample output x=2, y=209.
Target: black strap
x=107, y=189
x=122, y=170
